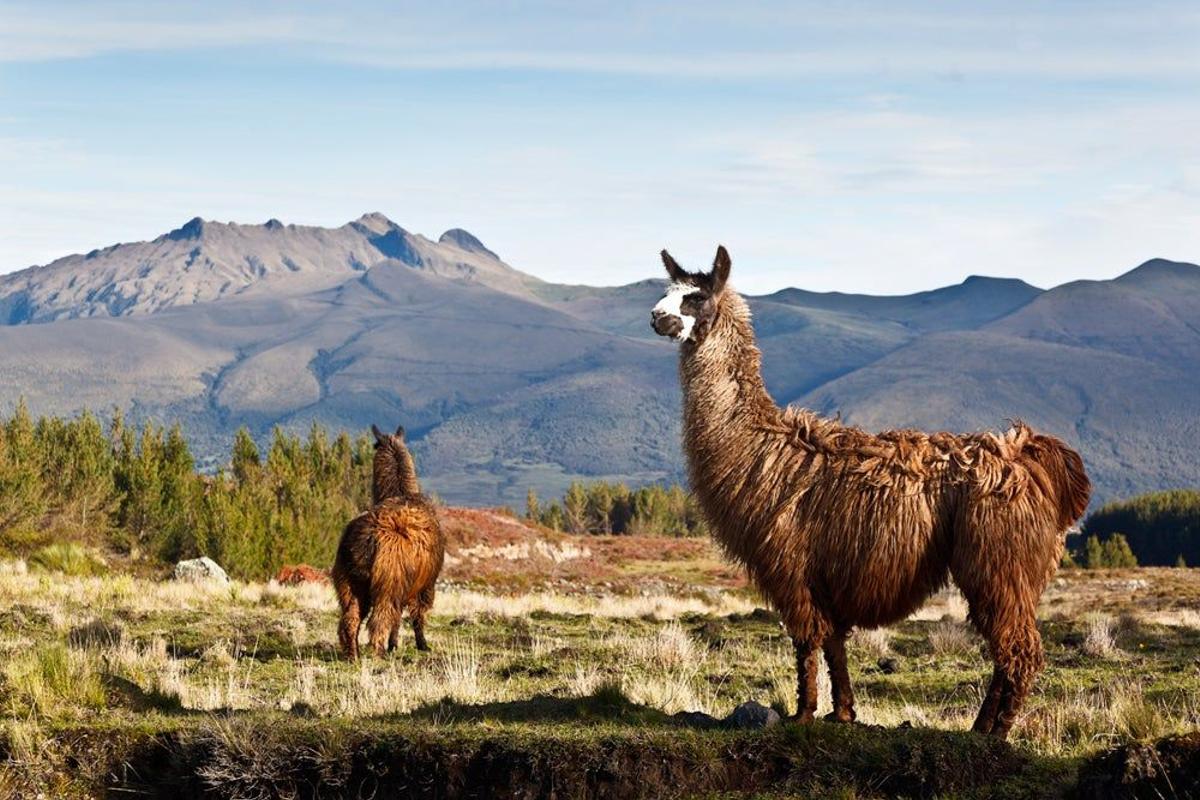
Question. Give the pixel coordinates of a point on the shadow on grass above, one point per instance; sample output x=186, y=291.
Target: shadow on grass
x=607, y=704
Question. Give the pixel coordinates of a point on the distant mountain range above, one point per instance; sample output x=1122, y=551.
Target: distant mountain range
x=506, y=381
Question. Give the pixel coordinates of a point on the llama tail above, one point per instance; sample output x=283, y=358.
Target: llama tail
x=1065, y=478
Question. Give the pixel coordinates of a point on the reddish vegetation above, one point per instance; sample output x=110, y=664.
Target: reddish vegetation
x=488, y=548
x=301, y=573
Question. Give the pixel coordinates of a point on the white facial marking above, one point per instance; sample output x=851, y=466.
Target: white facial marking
x=672, y=305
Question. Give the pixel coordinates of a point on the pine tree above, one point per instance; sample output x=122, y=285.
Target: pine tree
x=532, y=511
x=245, y=462
x=1117, y=553
x=575, y=508
x=22, y=494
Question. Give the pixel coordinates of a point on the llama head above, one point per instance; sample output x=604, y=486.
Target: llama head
x=687, y=310
x=392, y=472
x=384, y=440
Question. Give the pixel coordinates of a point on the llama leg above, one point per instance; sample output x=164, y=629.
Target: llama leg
x=806, y=680
x=348, y=627
x=1018, y=651
x=991, y=703
x=394, y=635
x=420, y=609
x=839, y=677
x=380, y=626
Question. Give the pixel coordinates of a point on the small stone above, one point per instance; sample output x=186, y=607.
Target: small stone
x=200, y=570
x=888, y=666
x=752, y=715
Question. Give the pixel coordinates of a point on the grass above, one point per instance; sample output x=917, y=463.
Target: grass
x=68, y=558
x=116, y=666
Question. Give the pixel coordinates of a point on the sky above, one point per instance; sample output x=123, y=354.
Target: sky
x=853, y=146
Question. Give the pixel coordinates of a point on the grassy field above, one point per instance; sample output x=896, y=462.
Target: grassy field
x=558, y=666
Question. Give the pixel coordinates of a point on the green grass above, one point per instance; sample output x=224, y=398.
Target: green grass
x=117, y=670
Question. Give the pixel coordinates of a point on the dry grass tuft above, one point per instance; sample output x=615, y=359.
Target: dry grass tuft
x=950, y=638
x=1100, y=640
x=874, y=642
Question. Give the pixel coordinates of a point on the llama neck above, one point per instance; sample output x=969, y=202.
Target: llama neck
x=731, y=424
x=394, y=475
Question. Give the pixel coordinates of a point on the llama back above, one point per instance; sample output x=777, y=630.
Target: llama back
x=410, y=546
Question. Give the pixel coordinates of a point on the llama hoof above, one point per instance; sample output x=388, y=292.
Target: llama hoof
x=844, y=717
x=801, y=719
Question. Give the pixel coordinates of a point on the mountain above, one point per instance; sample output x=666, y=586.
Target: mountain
x=507, y=382
x=204, y=261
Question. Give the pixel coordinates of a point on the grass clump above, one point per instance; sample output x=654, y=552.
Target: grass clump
x=53, y=681
x=68, y=558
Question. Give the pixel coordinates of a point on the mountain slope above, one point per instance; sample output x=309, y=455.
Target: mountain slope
x=506, y=382
x=1111, y=366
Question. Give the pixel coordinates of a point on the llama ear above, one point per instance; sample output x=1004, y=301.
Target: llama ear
x=676, y=272
x=380, y=436
x=399, y=431
x=720, y=270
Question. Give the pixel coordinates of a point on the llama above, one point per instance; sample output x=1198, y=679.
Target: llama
x=841, y=529
x=389, y=557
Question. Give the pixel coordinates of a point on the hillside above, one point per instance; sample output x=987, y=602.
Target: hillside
x=507, y=382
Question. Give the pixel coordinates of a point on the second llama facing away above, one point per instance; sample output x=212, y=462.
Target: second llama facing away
x=389, y=557
x=842, y=529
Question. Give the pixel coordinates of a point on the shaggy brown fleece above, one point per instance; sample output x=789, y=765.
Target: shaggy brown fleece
x=840, y=528
x=389, y=558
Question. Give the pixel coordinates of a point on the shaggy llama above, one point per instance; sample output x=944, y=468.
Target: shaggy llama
x=389, y=557
x=842, y=529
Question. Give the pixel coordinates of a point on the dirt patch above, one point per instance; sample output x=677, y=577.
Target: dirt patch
x=291, y=757
x=1164, y=769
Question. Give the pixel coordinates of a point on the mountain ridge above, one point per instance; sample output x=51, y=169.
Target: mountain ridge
x=507, y=382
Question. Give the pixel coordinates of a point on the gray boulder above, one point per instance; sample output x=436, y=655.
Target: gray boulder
x=201, y=570
x=752, y=715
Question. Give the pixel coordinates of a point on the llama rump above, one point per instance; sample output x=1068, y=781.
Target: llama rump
x=389, y=557
x=841, y=529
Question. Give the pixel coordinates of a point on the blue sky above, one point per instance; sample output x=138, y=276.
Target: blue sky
x=850, y=146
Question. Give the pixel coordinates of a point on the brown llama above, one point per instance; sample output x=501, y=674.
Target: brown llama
x=389, y=557
x=841, y=529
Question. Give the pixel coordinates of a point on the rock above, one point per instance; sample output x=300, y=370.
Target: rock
x=752, y=715
x=696, y=719
x=888, y=666
x=200, y=570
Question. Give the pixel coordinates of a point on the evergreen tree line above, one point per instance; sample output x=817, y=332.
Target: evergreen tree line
x=1111, y=553
x=602, y=507
x=136, y=491
x=1162, y=528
